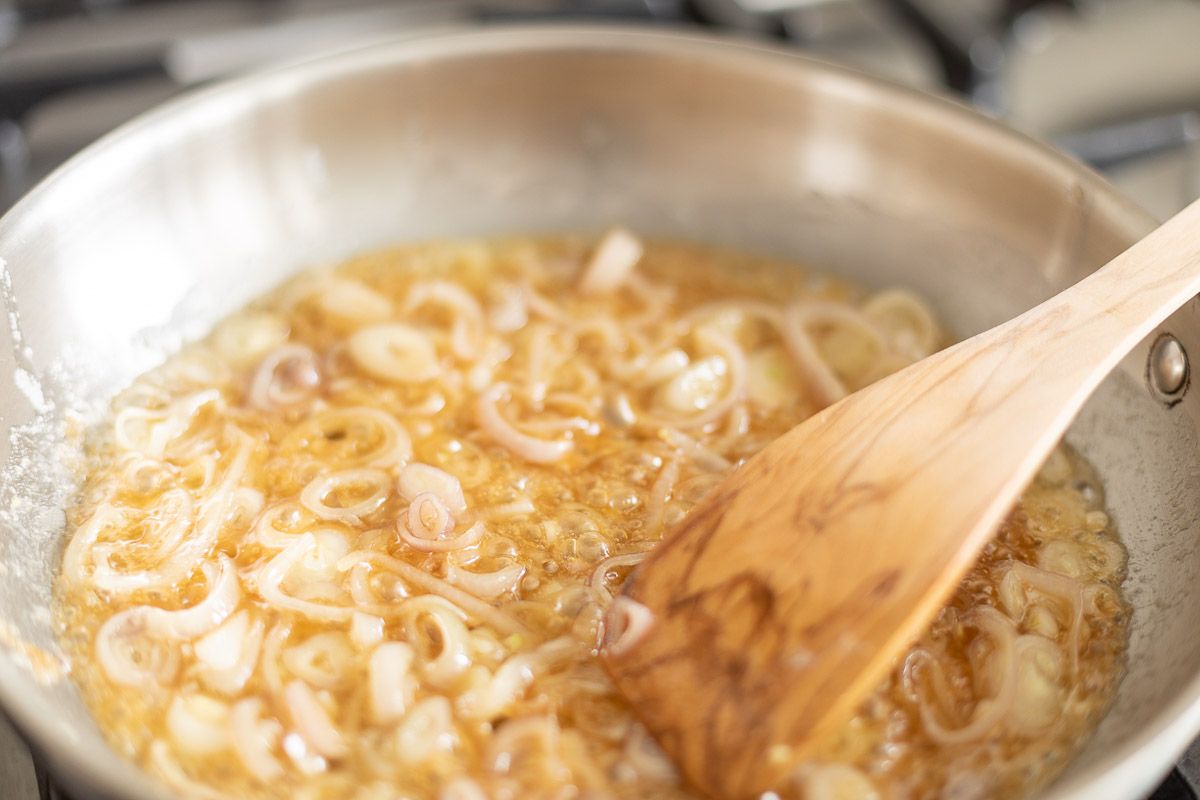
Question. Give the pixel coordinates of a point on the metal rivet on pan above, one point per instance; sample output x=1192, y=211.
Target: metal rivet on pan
x=1167, y=370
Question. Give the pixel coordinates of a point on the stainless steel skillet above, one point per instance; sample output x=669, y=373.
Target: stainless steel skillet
x=149, y=236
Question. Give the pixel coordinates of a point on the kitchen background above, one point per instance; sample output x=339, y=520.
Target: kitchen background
x=1115, y=82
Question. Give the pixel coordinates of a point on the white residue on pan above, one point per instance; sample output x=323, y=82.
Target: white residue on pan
x=24, y=377
x=36, y=483
x=40, y=476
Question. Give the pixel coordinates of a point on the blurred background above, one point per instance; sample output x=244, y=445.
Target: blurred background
x=1114, y=82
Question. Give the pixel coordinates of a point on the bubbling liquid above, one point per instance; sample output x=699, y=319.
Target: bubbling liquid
x=360, y=541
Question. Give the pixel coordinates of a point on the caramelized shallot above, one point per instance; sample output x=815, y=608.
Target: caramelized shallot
x=254, y=739
x=312, y=721
x=353, y=482
x=416, y=479
x=395, y=353
x=487, y=585
x=530, y=448
x=612, y=262
x=287, y=377
x=626, y=623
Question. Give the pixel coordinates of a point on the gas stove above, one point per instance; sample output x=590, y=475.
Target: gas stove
x=1111, y=81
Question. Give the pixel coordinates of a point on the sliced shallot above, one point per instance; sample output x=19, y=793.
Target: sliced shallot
x=427, y=730
x=467, y=538
x=510, y=312
x=366, y=630
x=910, y=327
x=819, y=376
x=466, y=332
x=626, y=623
x=395, y=353
x=315, y=495
x=599, y=578
x=74, y=561
x=357, y=436
x=324, y=660
x=198, y=724
x=161, y=427
x=692, y=395
x=428, y=518
x=987, y=713
x=272, y=574
x=221, y=648
x=611, y=263
x=393, y=685
x=254, y=739
x=287, y=376
x=416, y=479
x=530, y=448
x=118, y=639
x=247, y=337
x=351, y=302
x=229, y=654
x=487, y=585
x=421, y=579
x=312, y=721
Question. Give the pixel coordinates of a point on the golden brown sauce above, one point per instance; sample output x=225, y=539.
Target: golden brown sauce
x=393, y=501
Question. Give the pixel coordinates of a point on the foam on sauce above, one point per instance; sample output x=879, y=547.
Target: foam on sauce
x=359, y=541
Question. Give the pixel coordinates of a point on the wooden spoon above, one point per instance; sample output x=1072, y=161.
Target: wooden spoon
x=787, y=594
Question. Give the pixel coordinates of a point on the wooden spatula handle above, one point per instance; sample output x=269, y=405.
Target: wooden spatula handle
x=774, y=615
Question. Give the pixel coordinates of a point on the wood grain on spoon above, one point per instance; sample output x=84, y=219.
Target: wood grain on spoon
x=786, y=595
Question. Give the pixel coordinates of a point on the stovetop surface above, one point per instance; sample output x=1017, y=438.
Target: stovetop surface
x=70, y=70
